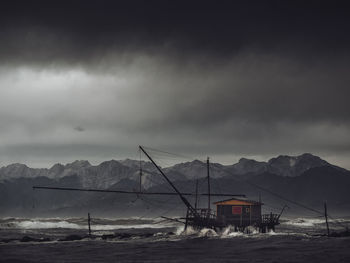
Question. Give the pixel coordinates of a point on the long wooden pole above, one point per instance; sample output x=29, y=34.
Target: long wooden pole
x=184, y=200
x=121, y=191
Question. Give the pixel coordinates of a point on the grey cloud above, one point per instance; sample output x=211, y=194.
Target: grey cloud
x=253, y=104
x=235, y=84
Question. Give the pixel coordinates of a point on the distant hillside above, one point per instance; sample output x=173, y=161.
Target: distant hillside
x=306, y=179
x=282, y=165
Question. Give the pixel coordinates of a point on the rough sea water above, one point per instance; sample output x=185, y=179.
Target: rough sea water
x=154, y=240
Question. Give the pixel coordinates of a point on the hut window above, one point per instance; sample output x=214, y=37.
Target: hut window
x=236, y=210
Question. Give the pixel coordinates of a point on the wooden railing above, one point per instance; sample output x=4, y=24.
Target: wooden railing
x=269, y=218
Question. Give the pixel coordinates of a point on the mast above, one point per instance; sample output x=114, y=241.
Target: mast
x=208, y=186
x=140, y=182
x=140, y=188
x=184, y=200
x=196, y=198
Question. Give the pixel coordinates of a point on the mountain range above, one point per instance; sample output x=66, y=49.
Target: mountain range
x=306, y=178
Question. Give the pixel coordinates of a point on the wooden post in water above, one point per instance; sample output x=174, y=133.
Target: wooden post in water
x=89, y=220
x=186, y=222
x=326, y=216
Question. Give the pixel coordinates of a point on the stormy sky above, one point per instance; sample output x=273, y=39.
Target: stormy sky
x=95, y=79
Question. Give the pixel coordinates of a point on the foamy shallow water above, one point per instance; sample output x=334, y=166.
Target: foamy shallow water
x=64, y=224
x=79, y=223
x=148, y=240
x=305, y=222
x=297, y=225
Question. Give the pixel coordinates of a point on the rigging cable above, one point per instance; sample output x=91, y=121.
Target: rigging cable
x=169, y=153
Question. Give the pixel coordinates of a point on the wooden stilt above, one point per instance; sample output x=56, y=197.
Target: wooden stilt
x=186, y=222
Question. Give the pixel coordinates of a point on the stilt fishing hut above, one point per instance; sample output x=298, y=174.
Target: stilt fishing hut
x=239, y=212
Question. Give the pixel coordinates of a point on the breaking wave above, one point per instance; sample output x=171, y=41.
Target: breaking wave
x=305, y=222
x=45, y=225
x=228, y=232
x=74, y=224
x=100, y=226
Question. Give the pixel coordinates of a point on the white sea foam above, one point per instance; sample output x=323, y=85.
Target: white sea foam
x=140, y=226
x=46, y=224
x=188, y=232
x=33, y=224
x=229, y=232
x=304, y=222
x=206, y=232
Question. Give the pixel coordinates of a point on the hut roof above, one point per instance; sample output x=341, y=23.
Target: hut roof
x=238, y=201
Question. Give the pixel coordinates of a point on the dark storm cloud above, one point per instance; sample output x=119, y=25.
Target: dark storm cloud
x=83, y=31
x=257, y=78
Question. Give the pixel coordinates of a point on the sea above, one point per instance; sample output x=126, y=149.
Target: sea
x=300, y=239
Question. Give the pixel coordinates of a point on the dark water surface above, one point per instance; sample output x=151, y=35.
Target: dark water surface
x=132, y=240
